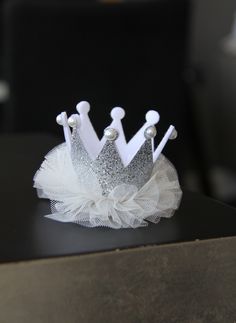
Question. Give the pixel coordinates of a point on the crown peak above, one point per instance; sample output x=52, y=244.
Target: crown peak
x=83, y=107
x=152, y=117
x=117, y=113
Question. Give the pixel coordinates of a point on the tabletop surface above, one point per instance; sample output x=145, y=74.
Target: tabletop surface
x=26, y=234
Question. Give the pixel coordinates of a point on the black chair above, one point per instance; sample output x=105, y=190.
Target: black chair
x=127, y=54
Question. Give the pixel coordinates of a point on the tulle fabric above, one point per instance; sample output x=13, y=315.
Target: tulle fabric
x=78, y=198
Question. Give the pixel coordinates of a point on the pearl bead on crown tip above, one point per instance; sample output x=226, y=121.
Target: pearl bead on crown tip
x=111, y=134
x=59, y=120
x=72, y=122
x=150, y=132
x=174, y=134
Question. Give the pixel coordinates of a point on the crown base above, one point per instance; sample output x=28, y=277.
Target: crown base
x=126, y=206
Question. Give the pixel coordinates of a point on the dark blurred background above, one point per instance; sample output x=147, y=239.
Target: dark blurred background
x=176, y=56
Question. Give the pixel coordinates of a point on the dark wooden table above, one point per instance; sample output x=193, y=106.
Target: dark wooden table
x=26, y=234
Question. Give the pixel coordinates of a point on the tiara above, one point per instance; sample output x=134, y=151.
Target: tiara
x=109, y=182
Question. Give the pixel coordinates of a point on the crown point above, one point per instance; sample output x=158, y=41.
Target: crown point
x=83, y=107
x=117, y=113
x=152, y=117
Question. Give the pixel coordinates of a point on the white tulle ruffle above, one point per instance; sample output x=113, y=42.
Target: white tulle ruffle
x=78, y=198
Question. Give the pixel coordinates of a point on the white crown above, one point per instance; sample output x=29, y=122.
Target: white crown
x=112, y=159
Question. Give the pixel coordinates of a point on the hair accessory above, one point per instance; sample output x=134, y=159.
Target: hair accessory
x=109, y=182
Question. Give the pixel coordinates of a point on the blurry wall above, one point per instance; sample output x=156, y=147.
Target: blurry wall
x=211, y=22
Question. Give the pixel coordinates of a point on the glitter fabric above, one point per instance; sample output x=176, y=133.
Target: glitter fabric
x=108, y=167
x=139, y=171
x=111, y=172
x=80, y=158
